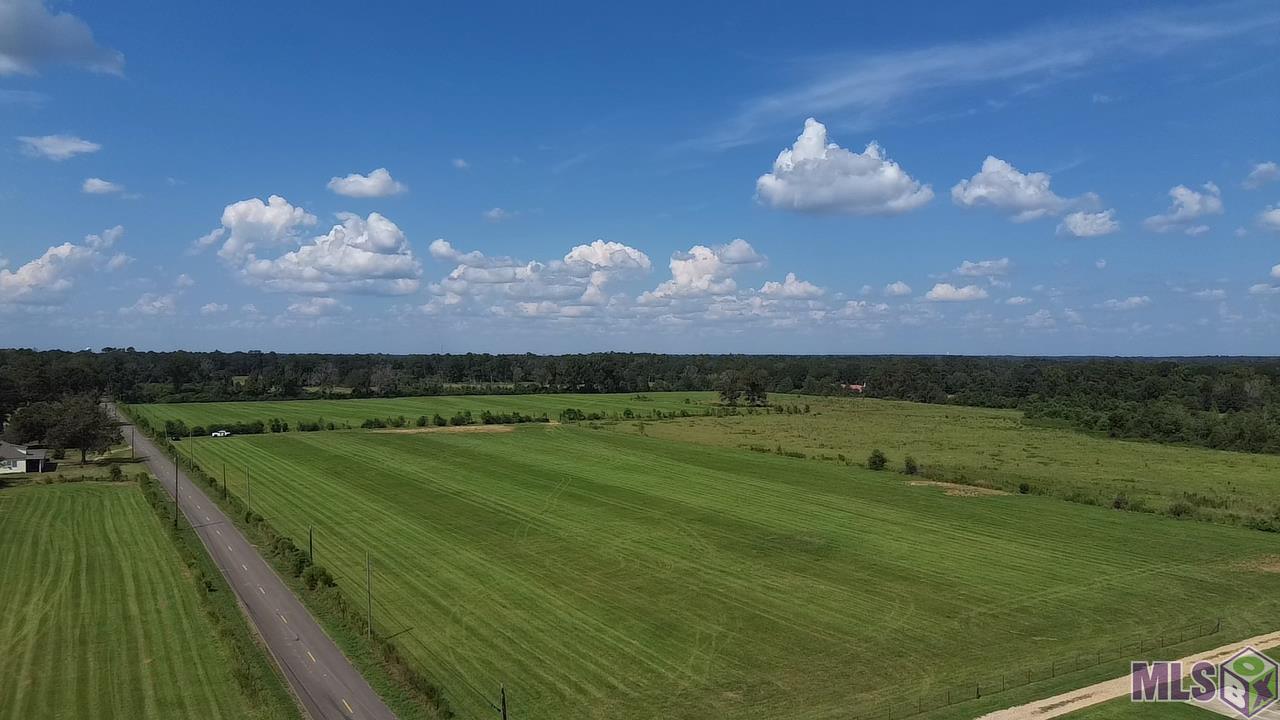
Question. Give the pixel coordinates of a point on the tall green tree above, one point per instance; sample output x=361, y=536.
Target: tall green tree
x=83, y=424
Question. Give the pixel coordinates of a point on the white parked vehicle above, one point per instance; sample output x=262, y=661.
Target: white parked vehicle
x=220, y=433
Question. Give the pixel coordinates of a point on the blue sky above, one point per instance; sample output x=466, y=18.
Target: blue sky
x=318, y=177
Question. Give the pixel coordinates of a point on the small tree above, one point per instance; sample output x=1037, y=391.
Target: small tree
x=909, y=466
x=729, y=386
x=876, y=460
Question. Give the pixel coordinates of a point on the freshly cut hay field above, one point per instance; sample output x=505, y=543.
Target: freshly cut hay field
x=600, y=574
x=100, y=620
x=1001, y=449
x=354, y=412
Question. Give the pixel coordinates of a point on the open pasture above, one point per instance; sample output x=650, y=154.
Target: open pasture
x=100, y=617
x=604, y=574
x=353, y=412
x=1000, y=449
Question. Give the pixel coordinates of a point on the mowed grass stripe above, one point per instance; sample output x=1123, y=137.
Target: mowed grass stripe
x=608, y=575
x=100, y=620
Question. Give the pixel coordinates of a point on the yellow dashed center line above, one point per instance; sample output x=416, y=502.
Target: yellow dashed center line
x=344, y=702
x=264, y=592
x=217, y=531
x=313, y=657
x=244, y=567
x=285, y=619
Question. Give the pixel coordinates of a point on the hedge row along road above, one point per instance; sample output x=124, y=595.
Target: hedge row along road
x=329, y=687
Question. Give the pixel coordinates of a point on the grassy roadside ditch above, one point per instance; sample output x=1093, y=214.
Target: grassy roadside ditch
x=405, y=689
x=255, y=675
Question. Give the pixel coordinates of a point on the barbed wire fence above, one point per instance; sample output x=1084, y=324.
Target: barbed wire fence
x=916, y=703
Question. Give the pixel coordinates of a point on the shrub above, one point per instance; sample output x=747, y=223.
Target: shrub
x=438, y=420
x=1120, y=502
x=421, y=421
x=876, y=460
x=909, y=466
x=1024, y=488
x=316, y=577
x=115, y=473
x=1180, y=509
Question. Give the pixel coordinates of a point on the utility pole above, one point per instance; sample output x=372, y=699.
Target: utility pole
x=175, y=491
x=248, y=488
x=504, y=701
x=311, y=545
x=130, y=442
x=224, y=481
x=368, y=588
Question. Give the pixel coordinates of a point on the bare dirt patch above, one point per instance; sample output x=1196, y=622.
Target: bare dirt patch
x=450, y=429
x=1265, y=564
x=958, y=490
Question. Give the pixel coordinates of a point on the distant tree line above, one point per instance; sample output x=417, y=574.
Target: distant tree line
x=1225, y=403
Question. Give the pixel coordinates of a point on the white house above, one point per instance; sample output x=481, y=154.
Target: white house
x=21, y=459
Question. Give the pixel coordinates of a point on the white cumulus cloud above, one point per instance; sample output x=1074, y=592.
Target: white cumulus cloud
x=213, y=308
x=1133, y=302
x=361, y=255
x=378, y=183
x=98, y=186
x=897, y=289
x=56, y=147
x=575, y=285
x=48, y=279
x=153, y=305
x=984, y=268
x=705, y=270
x=1187, y=209
x=814, y=175
x=1261, y=174
x=946, y=292
x=251, y=224
x=1089, y=224
x=1023, y=196
x=1269, y=219
x=791, y=287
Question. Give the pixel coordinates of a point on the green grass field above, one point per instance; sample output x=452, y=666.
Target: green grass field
x=100, y=619
x=354, y=412
x=599, y=573
x=999, y=448
x=993, y=447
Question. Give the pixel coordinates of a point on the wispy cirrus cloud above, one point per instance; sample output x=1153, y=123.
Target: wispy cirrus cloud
x=861, y=90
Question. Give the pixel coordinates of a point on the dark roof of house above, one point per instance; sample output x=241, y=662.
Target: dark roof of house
x=9, y=451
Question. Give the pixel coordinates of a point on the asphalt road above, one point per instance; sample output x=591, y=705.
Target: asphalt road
x=320, y=675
